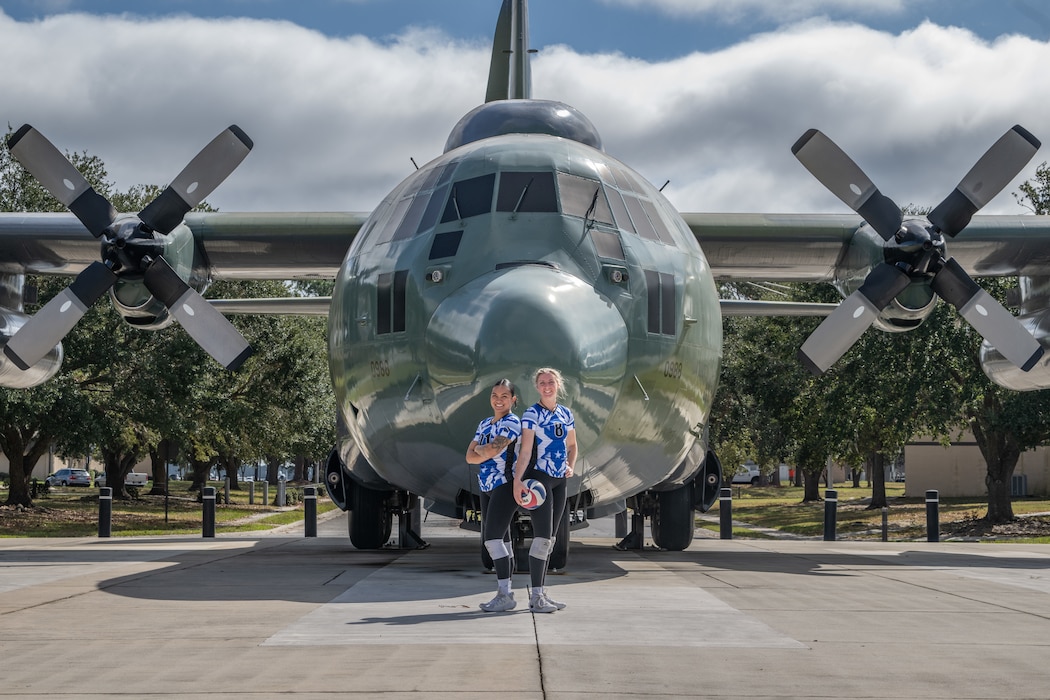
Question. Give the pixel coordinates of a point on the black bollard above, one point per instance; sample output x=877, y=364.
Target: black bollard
x=885, y=524
x=831, y=505
x=725, y=514
x=105, y=511
x=933, y=527
x=310, y=510
x=208, y=495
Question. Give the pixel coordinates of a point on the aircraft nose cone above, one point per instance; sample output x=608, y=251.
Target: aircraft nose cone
x=514, y=321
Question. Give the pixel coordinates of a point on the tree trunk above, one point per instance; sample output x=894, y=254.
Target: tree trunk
x=1000, y=450
x=232, y=467
x=812, y=485
x=22, y=458
x=159, y=459
x=117, y=466
x=199, y=470
x=877, y=474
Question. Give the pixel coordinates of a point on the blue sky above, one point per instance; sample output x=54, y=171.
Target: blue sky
x=649, y=29
x=710, y=94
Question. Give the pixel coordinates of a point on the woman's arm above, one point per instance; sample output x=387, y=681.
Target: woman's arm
x=476, y=454
x=528, y=436
x=570, y=452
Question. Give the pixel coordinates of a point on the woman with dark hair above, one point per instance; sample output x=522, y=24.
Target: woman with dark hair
x=494, y=449
x=551, y=428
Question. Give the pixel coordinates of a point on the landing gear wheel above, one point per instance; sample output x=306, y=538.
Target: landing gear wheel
x=370, y=522
x=672, y=523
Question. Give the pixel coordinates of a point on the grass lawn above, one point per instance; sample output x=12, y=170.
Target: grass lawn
x=782, y=509
x=73, y=512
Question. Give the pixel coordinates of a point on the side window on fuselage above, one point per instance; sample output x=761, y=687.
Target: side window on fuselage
x=391, y=302
x=661, y=298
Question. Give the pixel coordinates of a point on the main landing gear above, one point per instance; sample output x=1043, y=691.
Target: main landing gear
x=671, y=512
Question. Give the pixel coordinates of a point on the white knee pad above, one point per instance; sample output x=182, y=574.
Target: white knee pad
x=497, y=549
x=541, y=547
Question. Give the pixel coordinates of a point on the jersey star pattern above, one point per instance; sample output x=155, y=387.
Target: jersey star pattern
x=493, y=473
x=551, y=428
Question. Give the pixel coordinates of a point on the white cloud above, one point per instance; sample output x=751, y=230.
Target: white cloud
x=774, y=10
x=335, y=121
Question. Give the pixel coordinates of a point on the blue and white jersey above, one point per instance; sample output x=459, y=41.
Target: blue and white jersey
x=551, y=428
x=495, y=472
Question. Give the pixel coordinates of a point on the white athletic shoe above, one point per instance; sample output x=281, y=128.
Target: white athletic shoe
x=539, y=603
x=560, y=606
x=501, y=603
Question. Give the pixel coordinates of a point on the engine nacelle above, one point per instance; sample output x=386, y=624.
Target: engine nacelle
x=11, y=377
x=137, y=306
x=1008, y=375
x=908, y=311
x=911, y=307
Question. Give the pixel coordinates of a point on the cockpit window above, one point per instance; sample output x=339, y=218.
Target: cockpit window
x=469, y=198
x=619, y=209
x=583, y=197
x=642, y=225
x=526, y=192
x=409, y=225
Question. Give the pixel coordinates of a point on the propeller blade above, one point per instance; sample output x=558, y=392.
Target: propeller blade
x=997, y=167
x=987, y=316
x=49, y=325
x=844, y=178
x=58, y=176
x=197, y=180
x=208, y=327
x=846, y=324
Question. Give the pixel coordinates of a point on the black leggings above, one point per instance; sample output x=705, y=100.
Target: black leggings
x=545, y=519
x=497, y=511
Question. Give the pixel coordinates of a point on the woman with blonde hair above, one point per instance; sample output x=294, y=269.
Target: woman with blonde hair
x=548, y=434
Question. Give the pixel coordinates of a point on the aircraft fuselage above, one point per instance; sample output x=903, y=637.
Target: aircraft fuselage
x=510, y=253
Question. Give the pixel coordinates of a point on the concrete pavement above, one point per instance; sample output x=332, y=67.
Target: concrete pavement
x=277, y=615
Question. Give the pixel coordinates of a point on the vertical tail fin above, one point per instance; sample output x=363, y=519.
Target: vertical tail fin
x=510, y=77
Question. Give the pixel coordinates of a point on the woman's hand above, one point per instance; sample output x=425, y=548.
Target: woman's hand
x=519, y=490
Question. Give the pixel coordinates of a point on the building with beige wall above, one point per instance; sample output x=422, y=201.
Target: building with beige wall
x=959, y=470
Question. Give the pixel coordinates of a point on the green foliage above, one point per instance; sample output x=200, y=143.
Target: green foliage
x=122, y=390
x=888, y=389
x=1035, y=194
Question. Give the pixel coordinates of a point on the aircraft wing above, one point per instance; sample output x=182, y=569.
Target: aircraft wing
x=772, y=247
x=817, y=247
x=232, y=245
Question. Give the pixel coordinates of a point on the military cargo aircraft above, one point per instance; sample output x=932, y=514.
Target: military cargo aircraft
x=525, y=245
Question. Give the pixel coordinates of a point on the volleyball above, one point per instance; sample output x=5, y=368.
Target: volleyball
x=534, y=495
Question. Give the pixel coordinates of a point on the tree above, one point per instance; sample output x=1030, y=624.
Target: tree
x=1035, y=194
x=890, y=387
x=1004, y=422
x=32, y=420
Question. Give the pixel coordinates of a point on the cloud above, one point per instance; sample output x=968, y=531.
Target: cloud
x=336, y=120
x=733, y=11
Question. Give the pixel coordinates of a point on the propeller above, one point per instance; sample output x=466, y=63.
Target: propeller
x=914, y=251
x=130, y=246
